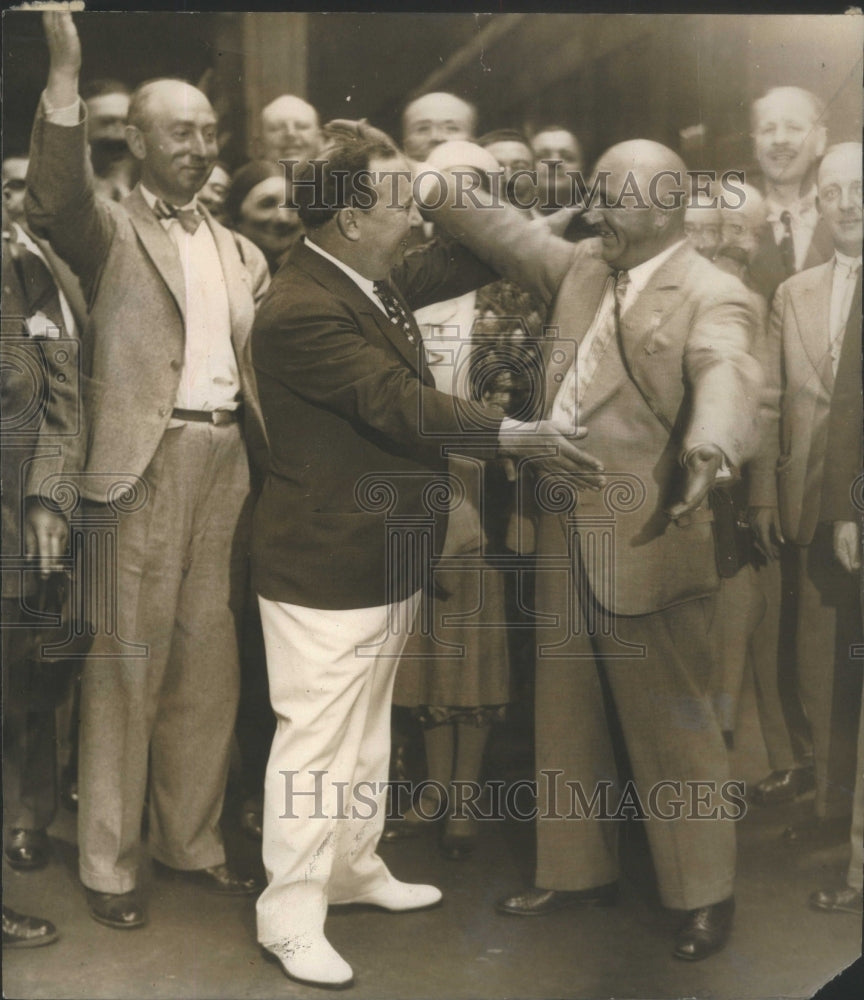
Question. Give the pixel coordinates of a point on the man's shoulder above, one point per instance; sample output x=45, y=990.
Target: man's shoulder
x=805, y=282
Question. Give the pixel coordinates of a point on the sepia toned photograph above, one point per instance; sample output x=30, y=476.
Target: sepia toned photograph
x=432, y=500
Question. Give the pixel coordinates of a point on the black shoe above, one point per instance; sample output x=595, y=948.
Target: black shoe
x=69, y=789
x=121, y=910
x=27, y=850
x=218, y=878
x=816, y=833
x=704, y=931
x=778, y=787
x=21, y=931
x=845, y=900
x=539, y=902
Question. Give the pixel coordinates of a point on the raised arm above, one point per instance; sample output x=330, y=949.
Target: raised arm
x=61, y=201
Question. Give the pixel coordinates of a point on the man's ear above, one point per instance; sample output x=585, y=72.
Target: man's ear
x=346, y=220
x=135, y=142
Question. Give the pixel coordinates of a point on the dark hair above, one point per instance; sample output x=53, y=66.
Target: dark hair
x=338, y=179
x=242, y=182
x=101, y=87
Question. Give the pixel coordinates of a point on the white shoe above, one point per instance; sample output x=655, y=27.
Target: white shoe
x=312, y=960
x=396, y=896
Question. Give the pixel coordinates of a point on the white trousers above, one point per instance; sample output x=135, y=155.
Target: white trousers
x=331, y=679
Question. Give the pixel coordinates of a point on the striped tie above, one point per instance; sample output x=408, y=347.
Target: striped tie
x=605, y=334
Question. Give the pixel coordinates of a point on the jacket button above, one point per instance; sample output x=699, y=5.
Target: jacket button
x=163, y=410
x=175, y=364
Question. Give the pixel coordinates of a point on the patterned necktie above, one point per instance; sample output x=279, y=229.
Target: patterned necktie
x=394, y=309
x=605, y=335
x=786, y=246
x=189, y=218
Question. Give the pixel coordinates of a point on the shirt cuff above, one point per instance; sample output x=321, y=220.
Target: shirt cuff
x=724, y=473
x=68, y=116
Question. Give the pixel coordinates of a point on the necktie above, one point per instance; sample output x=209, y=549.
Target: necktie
x=786, y=245
x=394, y=309
x=189, y=218
x=605, y=334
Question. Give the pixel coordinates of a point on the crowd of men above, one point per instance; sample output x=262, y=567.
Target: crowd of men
x=249, y=410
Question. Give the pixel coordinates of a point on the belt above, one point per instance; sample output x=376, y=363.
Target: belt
x=217, y=417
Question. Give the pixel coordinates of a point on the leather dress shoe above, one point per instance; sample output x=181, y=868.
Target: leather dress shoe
x=21, y=931
x=396, y=896
x=845, y=900
x=218, y=878
x=27, y=850
x=538, y=902
x=780, y=786
x=311, y=960
x=121, y=910
x=704, y=931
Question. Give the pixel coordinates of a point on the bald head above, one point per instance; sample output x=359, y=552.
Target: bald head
x=290, y=130
x=433, y=119
x=172, y=131
x=642, y=211
x=838, y=186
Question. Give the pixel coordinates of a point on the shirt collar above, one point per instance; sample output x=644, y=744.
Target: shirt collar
x=851, y=262
x=365, y=284
x=641, y=273
x=804, y=210
x=151, y=200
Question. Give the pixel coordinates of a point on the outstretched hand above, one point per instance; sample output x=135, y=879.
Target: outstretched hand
x=46, y=534
x=564, y=458
x=63, y=42
x=702, y=465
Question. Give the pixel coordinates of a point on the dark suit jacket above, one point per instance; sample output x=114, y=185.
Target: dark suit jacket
x=355, y=426
x=43, y=429
x=132, y=279
x=766, y=267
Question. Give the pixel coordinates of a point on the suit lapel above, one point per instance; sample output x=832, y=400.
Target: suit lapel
x=159, y=246
x=573, y=313
x=241, y=307
x=338, y=283
x=811, y=304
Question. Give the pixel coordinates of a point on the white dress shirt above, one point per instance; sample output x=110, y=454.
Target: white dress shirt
x=804, y=218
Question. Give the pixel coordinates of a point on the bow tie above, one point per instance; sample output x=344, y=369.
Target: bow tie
x=189, y=218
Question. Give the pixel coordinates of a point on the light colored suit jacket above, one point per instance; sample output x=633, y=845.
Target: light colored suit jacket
x=132, y=279
x=796, y=356
x=689, y=378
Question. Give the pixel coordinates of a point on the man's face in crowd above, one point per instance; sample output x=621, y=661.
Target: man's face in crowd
x=514, y=156
x=106, y=118
x=177, y=145
x=434, y=119
x=742, y=226
x=384, y=228
x=290, y=130
x=14, y=189
x=787, y=138
x=556, y=151
x=839, y=193
x=702, y=229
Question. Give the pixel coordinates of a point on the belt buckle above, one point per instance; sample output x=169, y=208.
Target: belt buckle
x=222, y=417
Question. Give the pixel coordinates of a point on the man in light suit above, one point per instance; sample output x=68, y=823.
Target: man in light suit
x=667, y=390
x=814, y=330
x=357, y=432
x=171, y=296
